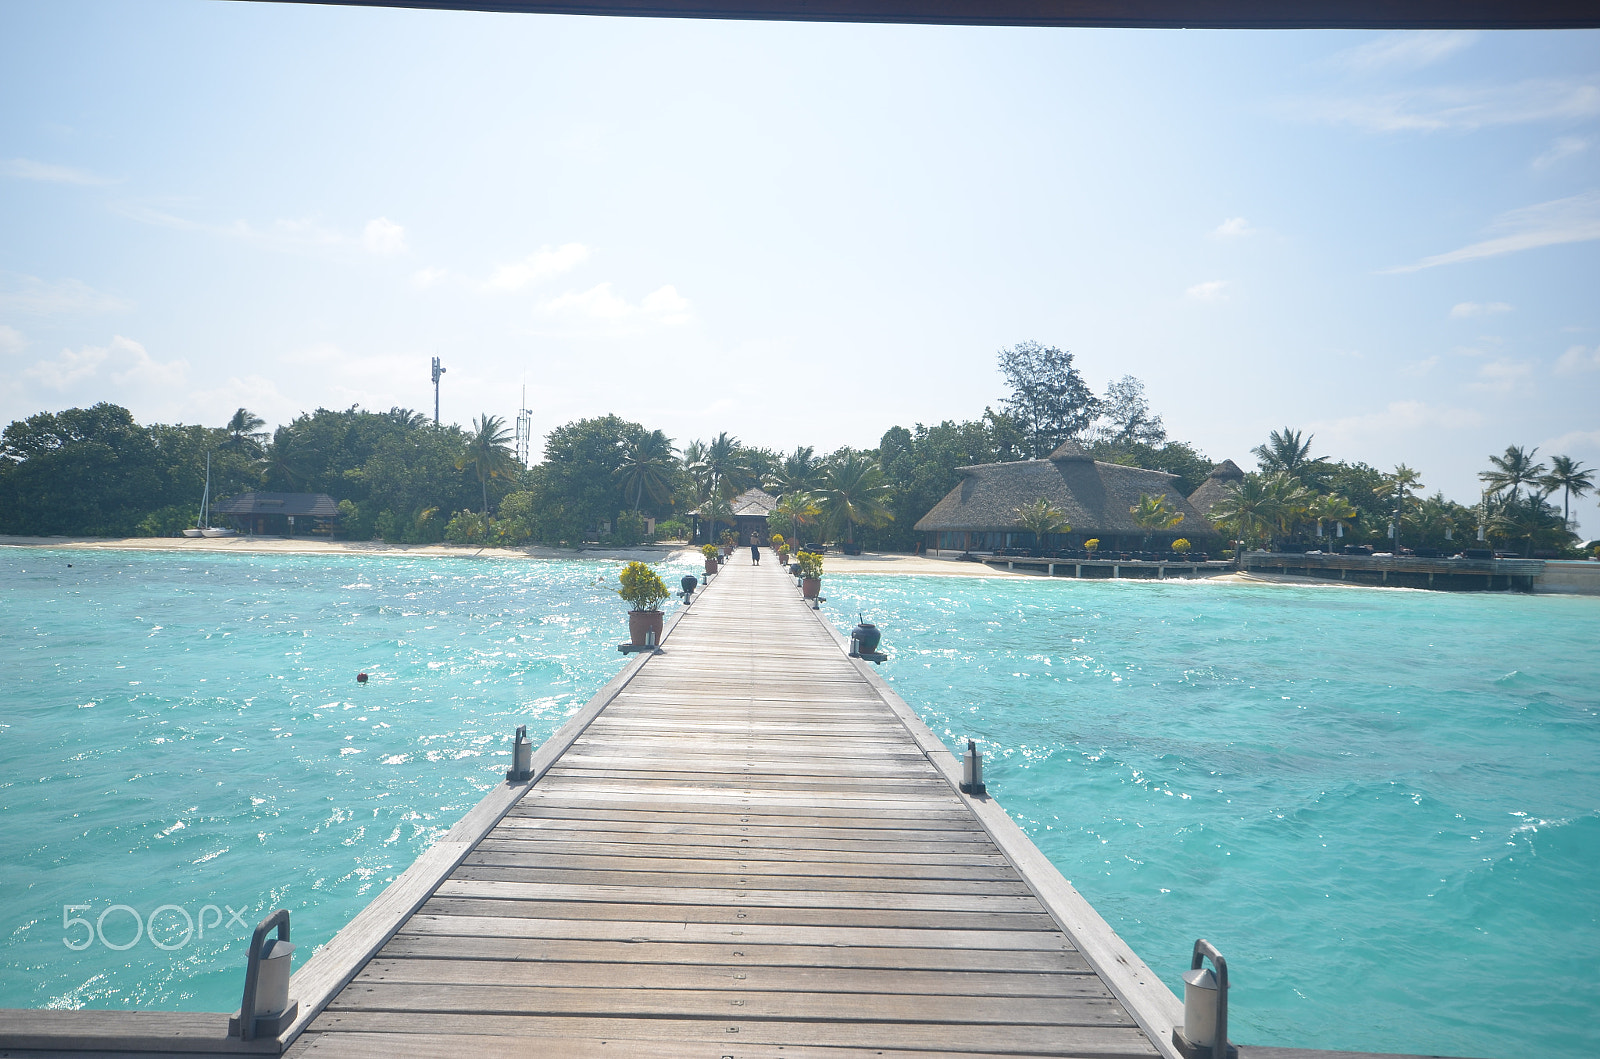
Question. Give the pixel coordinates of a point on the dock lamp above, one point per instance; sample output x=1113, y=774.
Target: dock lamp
x=521, y=757
x=1204, y=1034
x=972, y=770
x=689, y=584
x=266, y=1010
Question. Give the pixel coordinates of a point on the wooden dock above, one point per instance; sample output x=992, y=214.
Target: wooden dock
x=748, y=852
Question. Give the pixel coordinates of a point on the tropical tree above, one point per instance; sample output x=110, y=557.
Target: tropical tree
x=794, y=512
x=1572, y=478
x=1529, y=520
x=796, y=472
x=488, y=453
x=1049, y=399
x=1511, y=472
x=1287, y=452
x=648, y=461
x=1330, y=507
x=1154, y=512
x=1399, y=488
x=1041, y=518
x=244, y=432
x=1260, y=506
x=851, y=491
x=1125, y=417
x=725, y=466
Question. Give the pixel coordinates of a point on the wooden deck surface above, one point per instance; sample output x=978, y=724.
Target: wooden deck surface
x=746, y=853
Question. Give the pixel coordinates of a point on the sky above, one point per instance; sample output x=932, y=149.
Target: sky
x=803, y=234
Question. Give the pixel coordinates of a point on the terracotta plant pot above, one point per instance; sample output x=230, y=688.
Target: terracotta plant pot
x=711, y=566
x=783, y=558
x=810, y=586
x=641, y=622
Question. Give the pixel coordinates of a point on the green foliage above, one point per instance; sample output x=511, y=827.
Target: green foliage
x=1261, y=507
x=1174, y=457
x=1288, y=453
x=1091, y=544
x=810, y=564
x=488, y=453
x=671, y=529
x=648, y=465
x=1049, y=399
x=729, y=539
x=642, y=588
x=1181, y=545
x=1042, y=519
x=91, y=471
x=851, y=491
x=169, y=521
x=629, y=531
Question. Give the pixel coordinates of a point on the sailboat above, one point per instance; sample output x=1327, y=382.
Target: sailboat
x=206, y=529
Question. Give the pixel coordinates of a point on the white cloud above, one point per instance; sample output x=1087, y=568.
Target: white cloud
x=1502, y=374
x=537, y=267
x=30, y=294
x=1564, y=147
x=1209, y=291
x=1404, y=51
x=1400, y=417
x=427, y=277
x=124, y=364
x=1462, y=310
x=27, y=169
x=602, y=305
x=1569, y=220
x=1422, y=367
x=1441, y=107
x=1572, y=439
x=1233, y=226
x=1576, y=359
x=11, y=340
x=383, y=236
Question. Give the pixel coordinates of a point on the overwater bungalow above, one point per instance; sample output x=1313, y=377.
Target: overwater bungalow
x=980, y=514
x=281, y=514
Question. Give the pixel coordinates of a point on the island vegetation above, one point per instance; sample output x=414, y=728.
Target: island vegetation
x=399, y=477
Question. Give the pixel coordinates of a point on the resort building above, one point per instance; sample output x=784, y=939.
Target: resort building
x=750, y=511
x=281, y=514
x=1222, y=480
x=980, y=514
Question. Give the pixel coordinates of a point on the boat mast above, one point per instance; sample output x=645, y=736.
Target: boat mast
x=205, y=498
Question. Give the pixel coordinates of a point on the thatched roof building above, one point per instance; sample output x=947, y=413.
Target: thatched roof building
x=750, y=511
x=1221, y=481
x=980, y=514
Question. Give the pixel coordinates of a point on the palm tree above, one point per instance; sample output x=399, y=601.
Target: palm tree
x=1572, y=478
x=1259, y=506
x=727, y=467
x=797, y=473
x=1395, y=486
x=647, y=465
x=1330, y=507
x=1286, y=453
x=1512, y=471
x=1152, y=513
x=795, y=510
x=1041, y=518
x=244, y=431
x=488, y=452
x=851, y=490
x=694, y=462
x=1529, y=520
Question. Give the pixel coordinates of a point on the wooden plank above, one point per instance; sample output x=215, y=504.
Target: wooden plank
x=742, y=915
x=743, y=897
x=745, y=976
x=985, y=884
x=1100, y=1042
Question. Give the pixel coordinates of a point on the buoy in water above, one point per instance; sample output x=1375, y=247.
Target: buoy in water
x=361, y=678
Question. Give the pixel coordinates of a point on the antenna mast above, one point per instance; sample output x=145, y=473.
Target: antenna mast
x=437, y=371
x=524, y=429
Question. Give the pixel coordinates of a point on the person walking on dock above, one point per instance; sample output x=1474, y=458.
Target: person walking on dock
x=755, y=550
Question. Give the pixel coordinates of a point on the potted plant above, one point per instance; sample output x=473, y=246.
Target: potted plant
x=730, y=540
x=644, y=590
x=1182, y=546
x=709, y=552
x=810, y=574
x=780, y=546
x=1091, y=545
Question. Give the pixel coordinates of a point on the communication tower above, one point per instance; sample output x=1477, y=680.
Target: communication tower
x=437, y=371
x=524, y=430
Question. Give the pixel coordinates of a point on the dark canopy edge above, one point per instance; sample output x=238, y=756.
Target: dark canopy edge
x=1123, y=14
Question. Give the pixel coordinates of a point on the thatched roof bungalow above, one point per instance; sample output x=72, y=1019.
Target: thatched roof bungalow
x=980, y=514
x=1222, y=480
x=750, y=511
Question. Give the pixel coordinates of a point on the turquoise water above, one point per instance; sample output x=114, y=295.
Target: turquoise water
x=1382, y=806
x=184, y=736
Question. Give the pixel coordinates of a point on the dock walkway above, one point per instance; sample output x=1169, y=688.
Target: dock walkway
x=747, y=852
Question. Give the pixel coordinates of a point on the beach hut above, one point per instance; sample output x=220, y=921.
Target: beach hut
x=1222, y=480
x=980, y=514
x=750, y=511
x=281, y=514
